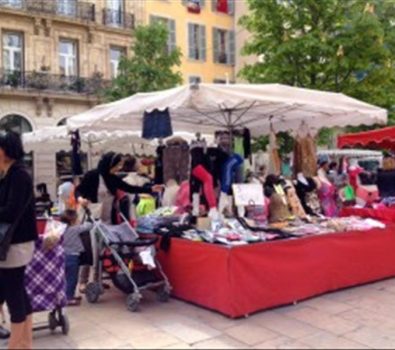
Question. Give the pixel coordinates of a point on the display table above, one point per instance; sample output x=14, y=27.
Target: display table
x=242, y=280
x=385, y=214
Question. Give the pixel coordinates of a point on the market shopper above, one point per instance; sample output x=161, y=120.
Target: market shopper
x=100, y=186
x=17, y=208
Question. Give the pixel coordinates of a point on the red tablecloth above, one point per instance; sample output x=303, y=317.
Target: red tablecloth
x=246, y=279
x=386, y=214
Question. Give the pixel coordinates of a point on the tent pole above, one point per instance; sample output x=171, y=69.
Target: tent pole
x=90, y=155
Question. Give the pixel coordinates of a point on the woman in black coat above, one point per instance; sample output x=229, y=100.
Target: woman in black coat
x=17, y=208
x=100, y=186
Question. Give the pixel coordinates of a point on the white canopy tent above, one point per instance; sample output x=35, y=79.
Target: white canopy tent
x=206, y=108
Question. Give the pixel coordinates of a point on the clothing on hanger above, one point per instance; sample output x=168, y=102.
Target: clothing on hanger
x=176, y=160
x=157, y=124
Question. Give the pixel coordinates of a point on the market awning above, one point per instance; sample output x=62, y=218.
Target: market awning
x=209, y=107
x=381, y=138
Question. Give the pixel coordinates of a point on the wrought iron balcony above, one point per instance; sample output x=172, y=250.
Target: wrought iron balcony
x=44, y=81
x=71, y=9
x=118, y=19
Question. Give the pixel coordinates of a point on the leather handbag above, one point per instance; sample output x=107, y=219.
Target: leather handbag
x=7, y=232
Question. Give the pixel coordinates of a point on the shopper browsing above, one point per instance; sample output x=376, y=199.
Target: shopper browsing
x=73, y=248
x=17, y=209
x=100, y=186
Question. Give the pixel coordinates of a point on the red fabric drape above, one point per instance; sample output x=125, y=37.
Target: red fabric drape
x=247, y=279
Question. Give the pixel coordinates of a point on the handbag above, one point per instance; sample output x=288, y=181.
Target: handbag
x=7, y=232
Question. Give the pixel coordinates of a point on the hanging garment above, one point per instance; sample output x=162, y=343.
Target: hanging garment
x=170, y=194
x=238, y=146
x=353, y=173
x=294, y=202
x=308, y=196
x=327, y=196
x=305, y=156
x=159, y=166
x=247, y=143
x=157, y=124
x=216, y=159
x=176, y=160
x=200, y=176
x=76, y=153
x=274, y=158
x=228, y=172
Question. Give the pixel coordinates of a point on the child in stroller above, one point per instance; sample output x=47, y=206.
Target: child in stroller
x=128, y=260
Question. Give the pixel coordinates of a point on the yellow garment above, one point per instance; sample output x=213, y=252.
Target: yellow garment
x=146, y=206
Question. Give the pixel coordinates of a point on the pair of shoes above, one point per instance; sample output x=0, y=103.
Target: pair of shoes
x=4, y=333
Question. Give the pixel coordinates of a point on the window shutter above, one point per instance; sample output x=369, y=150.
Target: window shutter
x=231, y=7
x=172, y=34
x=232, y=47
x=191, y=46
x=152, y=19
x=202, y=3
x=203, y=43
x=215, y=45
x=214, y=5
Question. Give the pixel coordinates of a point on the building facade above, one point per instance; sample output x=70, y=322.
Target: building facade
x=205, y=32
x=56, y=54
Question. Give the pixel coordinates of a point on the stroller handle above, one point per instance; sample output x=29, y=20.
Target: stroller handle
x=138, y=243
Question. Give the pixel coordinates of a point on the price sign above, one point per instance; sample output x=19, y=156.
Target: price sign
x=248, y=194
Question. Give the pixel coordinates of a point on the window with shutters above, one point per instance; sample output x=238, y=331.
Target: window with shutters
x=197, y=42
x=224, y=6
x=171, y=27
x=224, y=46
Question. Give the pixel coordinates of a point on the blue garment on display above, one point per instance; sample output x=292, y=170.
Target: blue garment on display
x=157, y=124
x=229, y=172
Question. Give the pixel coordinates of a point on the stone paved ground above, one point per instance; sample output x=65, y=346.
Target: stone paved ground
x=362, y=317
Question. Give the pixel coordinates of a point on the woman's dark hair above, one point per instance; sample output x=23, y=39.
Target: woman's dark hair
x=332, y=166
x=11, y=144
x=107, y=162
x=130, y=164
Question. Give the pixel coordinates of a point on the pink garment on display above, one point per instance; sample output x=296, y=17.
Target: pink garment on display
x=206, y=179
x=353, y=175
x=183, y=200
x=327, y=194
x=367, y=195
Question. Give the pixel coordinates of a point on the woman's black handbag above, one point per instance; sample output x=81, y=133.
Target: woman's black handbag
x=7, y=232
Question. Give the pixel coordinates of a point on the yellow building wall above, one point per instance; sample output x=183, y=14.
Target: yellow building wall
x=208, y=71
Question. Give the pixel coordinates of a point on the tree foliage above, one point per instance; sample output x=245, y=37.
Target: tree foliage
x=151, y=68
x=344, y=46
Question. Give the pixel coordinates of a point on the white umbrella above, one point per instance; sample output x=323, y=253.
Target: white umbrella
x=206, y=108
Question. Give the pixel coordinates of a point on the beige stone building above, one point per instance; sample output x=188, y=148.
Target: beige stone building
x=55, y=54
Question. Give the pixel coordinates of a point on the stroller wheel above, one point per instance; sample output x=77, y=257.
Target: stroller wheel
x=93, y=292
x=65, y=324
x=132, y=302
x=52, y=321
x=163, y=295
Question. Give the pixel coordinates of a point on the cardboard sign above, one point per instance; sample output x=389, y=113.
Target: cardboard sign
x=248, y=194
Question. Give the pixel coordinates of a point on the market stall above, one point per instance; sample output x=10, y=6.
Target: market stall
x=213, y=252
x=256, y=277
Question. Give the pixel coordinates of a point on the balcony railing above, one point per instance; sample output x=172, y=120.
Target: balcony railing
x=118, y=19
x=72, y=9
x=43, y=81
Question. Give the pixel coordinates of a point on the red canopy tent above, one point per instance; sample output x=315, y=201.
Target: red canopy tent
x=381, y=138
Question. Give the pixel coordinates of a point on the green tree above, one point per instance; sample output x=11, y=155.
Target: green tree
x=151, y=68
x=335, y=45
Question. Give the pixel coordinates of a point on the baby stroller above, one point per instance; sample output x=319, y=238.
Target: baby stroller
x=46, y=285
x=129, y=261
